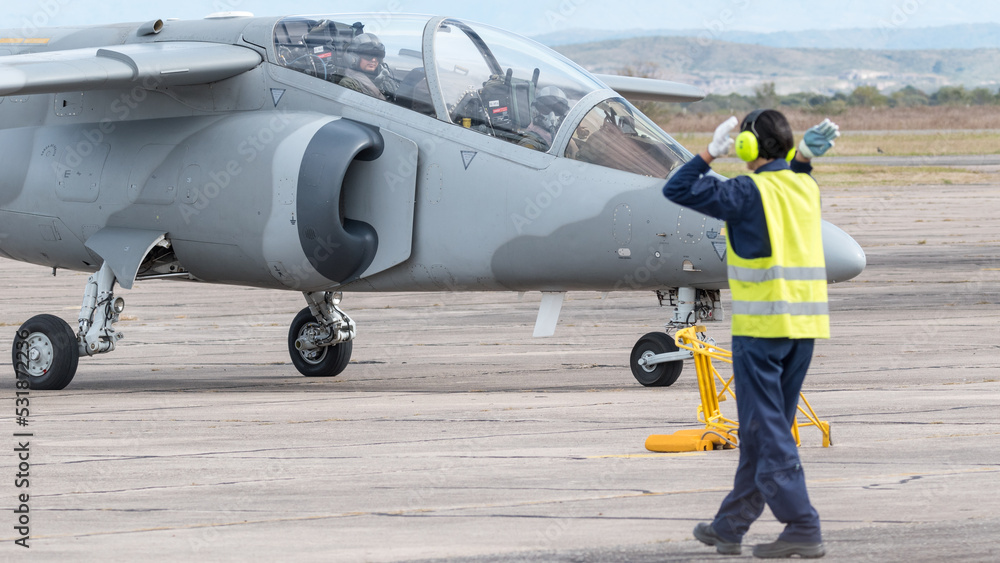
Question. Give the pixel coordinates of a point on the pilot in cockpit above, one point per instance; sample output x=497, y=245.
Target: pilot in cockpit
x=366, y=71
x=547, y=112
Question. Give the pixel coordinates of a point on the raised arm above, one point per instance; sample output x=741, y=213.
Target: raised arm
x=817, y=140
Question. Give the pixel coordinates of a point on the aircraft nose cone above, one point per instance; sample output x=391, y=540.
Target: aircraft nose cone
x=844, y=257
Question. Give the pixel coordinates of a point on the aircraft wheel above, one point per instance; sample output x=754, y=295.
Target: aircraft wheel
x=322, y=362
x=45, y=353
x=660, y=375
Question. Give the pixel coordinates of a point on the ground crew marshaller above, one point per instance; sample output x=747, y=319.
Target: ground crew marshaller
x=777, y=275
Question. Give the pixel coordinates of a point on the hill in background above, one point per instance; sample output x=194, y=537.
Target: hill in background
x=724, y=67
x=969, y=36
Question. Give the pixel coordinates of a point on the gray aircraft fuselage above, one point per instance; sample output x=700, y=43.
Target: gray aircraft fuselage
x=225, y=170
x=395, y=153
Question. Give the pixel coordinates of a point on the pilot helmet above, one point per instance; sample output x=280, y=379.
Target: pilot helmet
x=549, y=108
x=365, y=45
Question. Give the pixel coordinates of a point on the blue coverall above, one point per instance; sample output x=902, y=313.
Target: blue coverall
x=768, y=372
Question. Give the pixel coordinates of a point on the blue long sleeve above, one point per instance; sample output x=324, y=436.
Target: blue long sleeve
x=730, y=200
x=800, y=167
x=736, y=201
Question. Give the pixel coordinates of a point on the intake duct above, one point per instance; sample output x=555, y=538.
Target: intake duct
x=339, y=248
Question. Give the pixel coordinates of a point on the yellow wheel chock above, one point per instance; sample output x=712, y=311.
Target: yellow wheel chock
x=719, y=432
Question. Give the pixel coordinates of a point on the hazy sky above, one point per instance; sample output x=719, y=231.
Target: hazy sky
x=532, y=17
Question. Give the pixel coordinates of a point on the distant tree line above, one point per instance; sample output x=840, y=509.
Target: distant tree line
x=766, y=96
x=862, y=96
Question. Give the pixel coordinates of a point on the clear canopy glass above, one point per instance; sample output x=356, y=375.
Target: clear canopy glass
x=477, y=77
x=505, y=85
x=616, y=135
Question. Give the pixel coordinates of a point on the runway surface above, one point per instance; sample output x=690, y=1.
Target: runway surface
x=455, y=436
x=979, y=162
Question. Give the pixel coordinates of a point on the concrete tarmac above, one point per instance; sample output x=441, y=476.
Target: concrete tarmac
x=455, y=436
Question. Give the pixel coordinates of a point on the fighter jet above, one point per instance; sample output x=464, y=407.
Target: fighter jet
x=335, y=154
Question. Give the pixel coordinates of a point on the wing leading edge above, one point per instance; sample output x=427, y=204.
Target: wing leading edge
x=651, y=90
x=124, y=66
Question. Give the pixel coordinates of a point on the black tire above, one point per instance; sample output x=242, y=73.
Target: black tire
x=660, y=375
x=45, y=353
x=324, y=362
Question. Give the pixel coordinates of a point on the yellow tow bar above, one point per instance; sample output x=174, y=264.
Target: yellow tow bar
x=719, y=432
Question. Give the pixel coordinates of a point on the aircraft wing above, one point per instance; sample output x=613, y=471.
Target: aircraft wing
x=123, y=66
x=651, y=90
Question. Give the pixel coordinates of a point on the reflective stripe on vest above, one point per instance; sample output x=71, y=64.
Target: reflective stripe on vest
x=780, y=308
x=783, y=295
x=775, y=272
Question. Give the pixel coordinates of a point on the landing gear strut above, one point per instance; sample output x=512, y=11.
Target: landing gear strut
x=656, y=361
x=320, y=338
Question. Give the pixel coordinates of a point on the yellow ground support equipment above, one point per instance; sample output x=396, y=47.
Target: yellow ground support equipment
x=719, y=432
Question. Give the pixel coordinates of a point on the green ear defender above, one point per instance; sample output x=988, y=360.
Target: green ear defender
x=790, y=155
x=746, y=146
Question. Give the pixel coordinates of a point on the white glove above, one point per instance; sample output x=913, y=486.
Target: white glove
x=722, y=143
x=819, y=139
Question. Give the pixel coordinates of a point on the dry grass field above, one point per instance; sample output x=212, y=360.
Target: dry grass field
x=929, y=131
x=890, y=143
x=939, y=118
x=882, y=132
x=847, y=175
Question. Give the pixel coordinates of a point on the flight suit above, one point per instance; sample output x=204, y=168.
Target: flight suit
x=360, y=82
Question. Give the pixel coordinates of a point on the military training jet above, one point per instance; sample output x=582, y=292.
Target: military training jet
x=341, y=153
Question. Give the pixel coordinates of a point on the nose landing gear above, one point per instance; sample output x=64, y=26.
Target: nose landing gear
x=656, y=360
x=650, y=361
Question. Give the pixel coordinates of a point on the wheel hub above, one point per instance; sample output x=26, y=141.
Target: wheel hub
x=644, y=361
x=40, y=354
x=314, y=356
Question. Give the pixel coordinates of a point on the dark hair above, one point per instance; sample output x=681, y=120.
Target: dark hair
x=774, y=134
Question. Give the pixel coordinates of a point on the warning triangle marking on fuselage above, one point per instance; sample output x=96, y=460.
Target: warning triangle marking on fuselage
x=720, y=249
x=277, y=94
x=467, y=157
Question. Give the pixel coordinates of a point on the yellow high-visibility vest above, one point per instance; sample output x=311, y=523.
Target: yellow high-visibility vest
x=784, y=294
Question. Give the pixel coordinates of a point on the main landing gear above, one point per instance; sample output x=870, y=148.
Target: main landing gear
x=656, y=360
x=46, y=351
x=320, y=338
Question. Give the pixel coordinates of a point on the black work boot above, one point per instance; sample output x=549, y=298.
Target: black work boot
x=783, y=549
x=705, y=533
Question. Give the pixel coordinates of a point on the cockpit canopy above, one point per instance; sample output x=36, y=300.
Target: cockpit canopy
x=480, y=78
